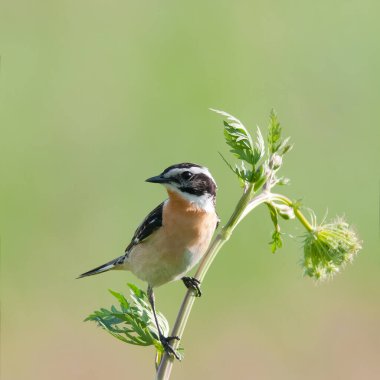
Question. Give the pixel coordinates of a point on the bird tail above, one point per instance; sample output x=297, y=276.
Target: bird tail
x=113, y=264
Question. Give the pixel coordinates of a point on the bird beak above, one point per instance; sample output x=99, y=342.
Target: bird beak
x=157, y=179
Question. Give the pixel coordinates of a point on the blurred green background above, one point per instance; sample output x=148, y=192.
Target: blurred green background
x=96, y=96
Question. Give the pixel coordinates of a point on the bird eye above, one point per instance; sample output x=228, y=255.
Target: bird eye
x=186, y=175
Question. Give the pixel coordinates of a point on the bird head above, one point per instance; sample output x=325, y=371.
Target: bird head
x=192, y=182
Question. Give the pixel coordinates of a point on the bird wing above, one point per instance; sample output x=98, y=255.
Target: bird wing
x=151, y=223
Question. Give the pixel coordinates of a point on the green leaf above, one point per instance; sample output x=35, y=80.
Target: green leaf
x=133, y=321
x=274, y=133
x=244, y=149
x=276, y=241
x=277, y=147
x=240, y=141
x=259, y=149
x=137, y=291
x=122, y=300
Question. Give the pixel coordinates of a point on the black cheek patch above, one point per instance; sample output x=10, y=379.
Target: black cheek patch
x=192, y=190
x=175, y=180
x=199, y=185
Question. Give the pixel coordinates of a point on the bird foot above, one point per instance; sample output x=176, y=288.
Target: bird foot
x=165, y=341
x=192, y=283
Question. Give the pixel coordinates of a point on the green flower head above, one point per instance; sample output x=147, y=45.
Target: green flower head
x=328, y=248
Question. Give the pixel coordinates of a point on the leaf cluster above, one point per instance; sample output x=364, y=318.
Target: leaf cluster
x=133, y=321
x=277, y=148
x=275, y=142
x=257, y=163
x=244, y=149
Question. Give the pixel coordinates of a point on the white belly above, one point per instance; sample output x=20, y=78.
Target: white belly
x=157, y=268
x=153, y=262
x=176, y=247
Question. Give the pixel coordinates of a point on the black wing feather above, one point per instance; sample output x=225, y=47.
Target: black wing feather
x=146, y=228
x=150, y=224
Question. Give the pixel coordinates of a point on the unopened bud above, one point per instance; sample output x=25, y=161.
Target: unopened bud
x=275, y=161
x=284, y=211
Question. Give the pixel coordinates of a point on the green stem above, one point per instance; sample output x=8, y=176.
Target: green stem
x=245, y=202
x=301, y=217
x=245, y=205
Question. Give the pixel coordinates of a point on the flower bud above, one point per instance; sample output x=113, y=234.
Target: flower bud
x=275, y=161
x=285, y=211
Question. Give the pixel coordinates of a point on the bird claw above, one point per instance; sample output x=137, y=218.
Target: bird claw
x=165, y=341
x=192, y=283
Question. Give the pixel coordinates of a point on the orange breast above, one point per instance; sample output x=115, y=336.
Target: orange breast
x=177, y=246
x=187, y=226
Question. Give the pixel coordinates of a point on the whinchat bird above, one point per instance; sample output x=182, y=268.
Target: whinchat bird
x=174, y=236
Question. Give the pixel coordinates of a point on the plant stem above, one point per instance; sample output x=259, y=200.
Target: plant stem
x=301, y=217
x=245, y=205
x=166, y=364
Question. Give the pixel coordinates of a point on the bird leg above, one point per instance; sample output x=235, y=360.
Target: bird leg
x=165, y=340
x=192, y=283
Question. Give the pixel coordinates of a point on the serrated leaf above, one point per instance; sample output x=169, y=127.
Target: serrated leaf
x=260, y=178
x=260, y=145
x=276, y=241
x=137, y=291
x=122, y=300
x=134, y=322
x=240, y=140
x=274, y=133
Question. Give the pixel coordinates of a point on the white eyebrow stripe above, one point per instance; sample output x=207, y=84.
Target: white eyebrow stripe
x=193, y=169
